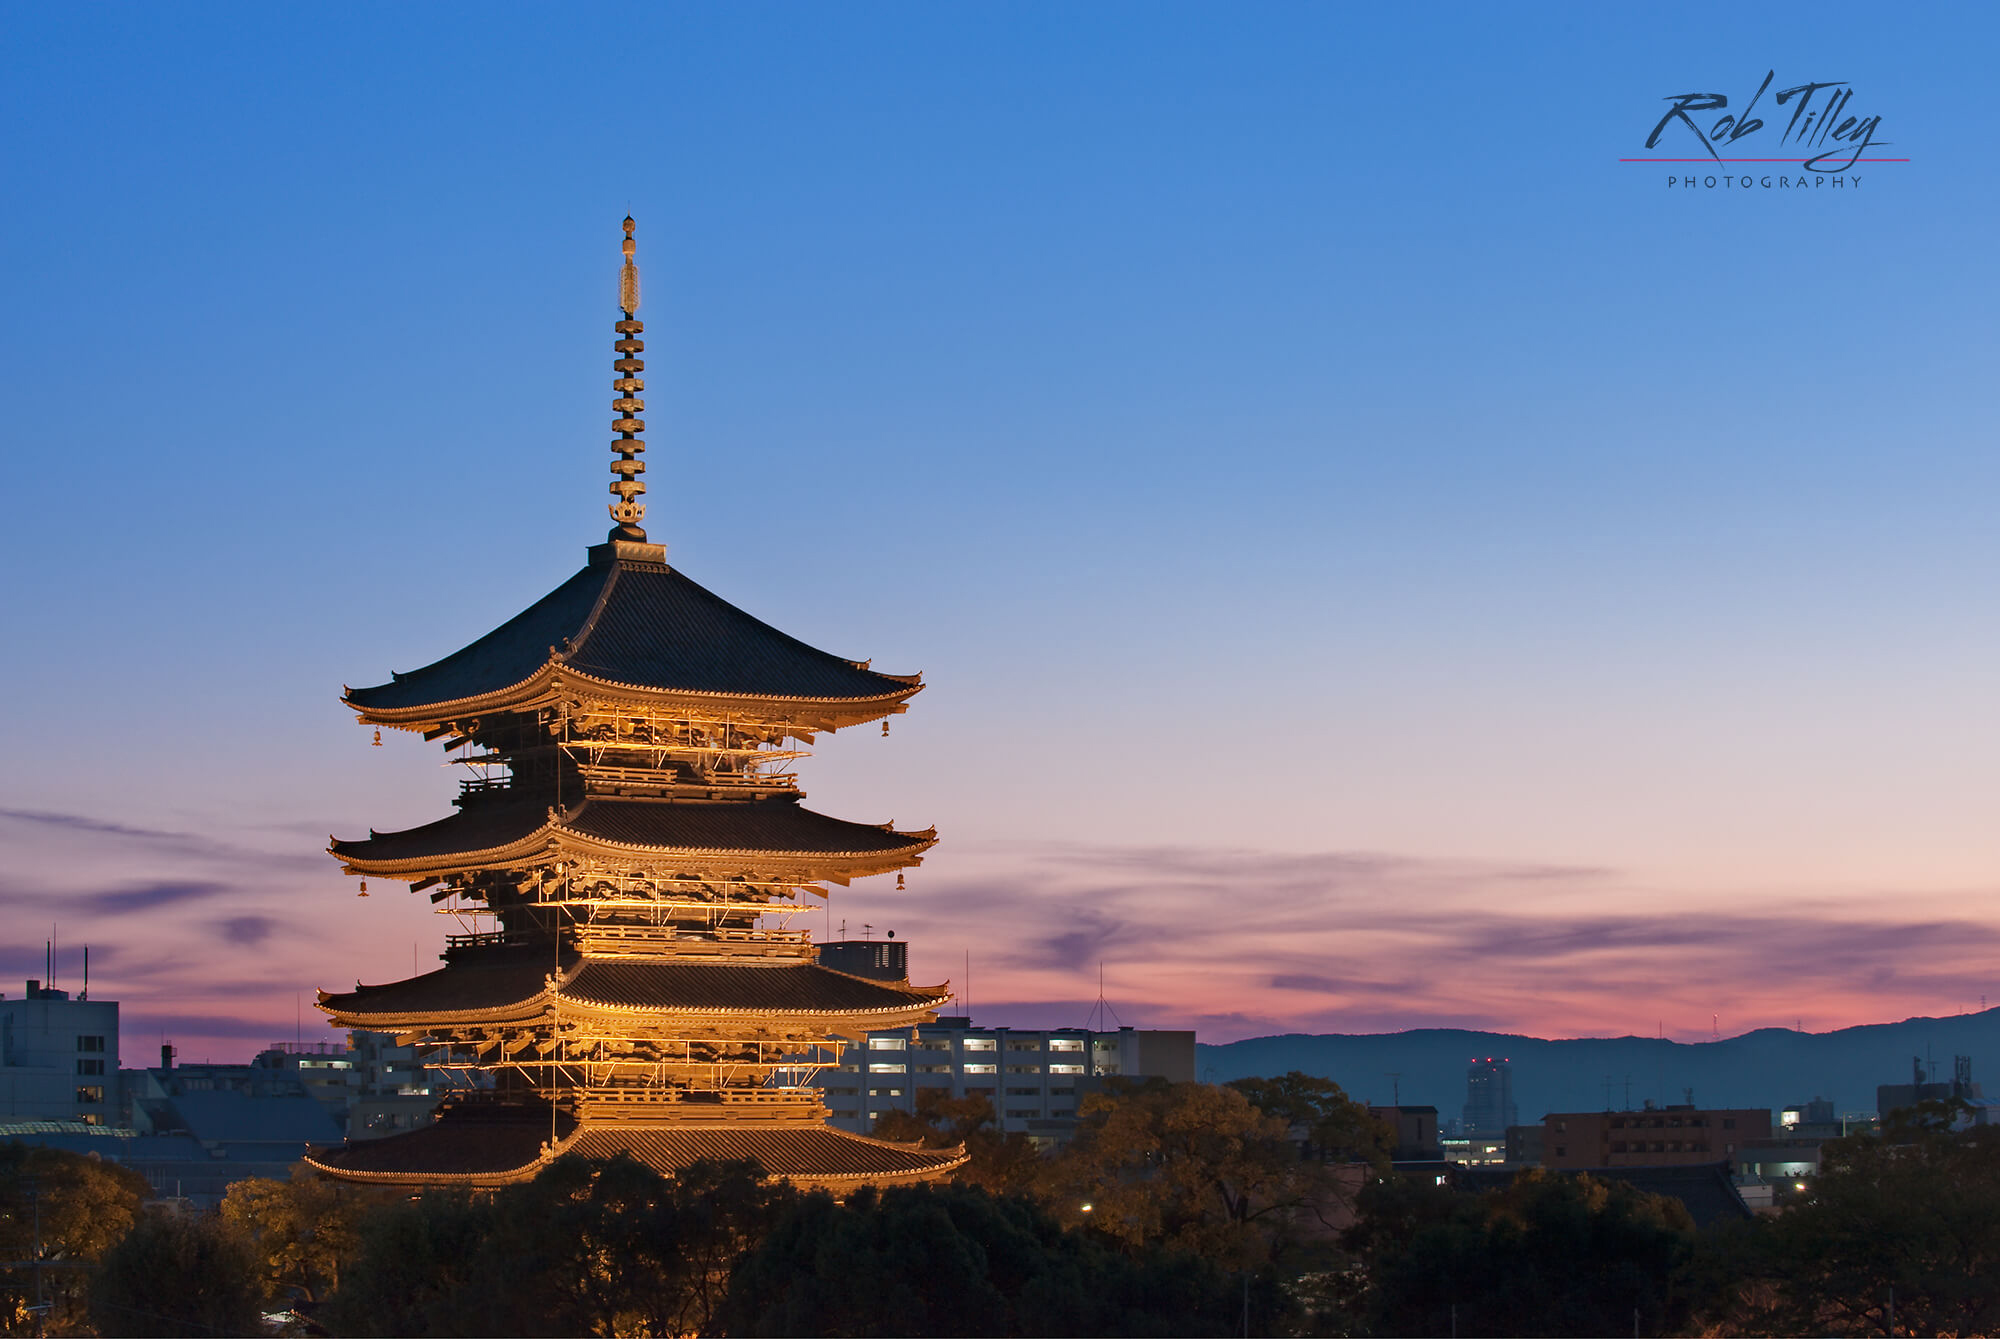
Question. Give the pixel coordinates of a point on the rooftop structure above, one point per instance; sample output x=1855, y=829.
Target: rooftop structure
x=628, y=853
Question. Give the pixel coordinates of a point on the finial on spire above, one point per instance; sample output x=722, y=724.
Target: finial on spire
x=626, y=484
x=628, y=278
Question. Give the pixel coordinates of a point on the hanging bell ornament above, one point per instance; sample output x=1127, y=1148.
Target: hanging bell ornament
x=899, y=882
x=364, y=889
x=885, y=729
x=378, y=736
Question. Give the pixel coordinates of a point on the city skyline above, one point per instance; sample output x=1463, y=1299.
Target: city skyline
x=1374, y=564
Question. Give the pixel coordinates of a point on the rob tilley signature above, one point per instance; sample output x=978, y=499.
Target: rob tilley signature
x=1812, y=124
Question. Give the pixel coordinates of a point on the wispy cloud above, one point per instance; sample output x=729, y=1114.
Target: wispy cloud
x=1246, y=941
x=247, y=930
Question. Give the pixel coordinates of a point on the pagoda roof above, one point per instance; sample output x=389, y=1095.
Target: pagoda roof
x=512, y=983
x=497, y=834
x=635, y=625
x=496, y=1151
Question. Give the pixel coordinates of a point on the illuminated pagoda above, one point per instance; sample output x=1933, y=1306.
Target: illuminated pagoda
x=628, y=852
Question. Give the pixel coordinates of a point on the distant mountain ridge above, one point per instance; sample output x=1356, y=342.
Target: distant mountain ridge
x=1771, y=1067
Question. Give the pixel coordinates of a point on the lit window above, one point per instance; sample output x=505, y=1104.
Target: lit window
x=980, y=1069
x=90, y=1094
x=887, y=1069
x=1065, y=1069
x=888, y=1044
x=1065, y=1044
x=978, y=1043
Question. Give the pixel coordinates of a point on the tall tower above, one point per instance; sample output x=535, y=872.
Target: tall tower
x=628, y=853
x=1489, y=1098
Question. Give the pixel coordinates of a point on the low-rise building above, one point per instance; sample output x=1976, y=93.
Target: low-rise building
x=1671, y=1136
x=1033, y=1077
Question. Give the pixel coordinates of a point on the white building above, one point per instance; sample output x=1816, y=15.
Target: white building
x=58, y=1058
x=1034, y=1079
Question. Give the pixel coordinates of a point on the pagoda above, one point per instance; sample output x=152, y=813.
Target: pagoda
x=627, y=856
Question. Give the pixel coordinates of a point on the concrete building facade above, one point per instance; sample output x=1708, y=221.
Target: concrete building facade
x=1670, y=1136
x=1034, y=1078
x=58, y=1058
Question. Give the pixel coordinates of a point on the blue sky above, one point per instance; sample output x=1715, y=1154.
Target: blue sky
x=1287, y=439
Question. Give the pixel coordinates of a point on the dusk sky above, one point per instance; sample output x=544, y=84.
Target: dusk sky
x=1376, y=559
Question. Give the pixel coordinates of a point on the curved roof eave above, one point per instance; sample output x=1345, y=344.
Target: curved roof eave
x=546, y=682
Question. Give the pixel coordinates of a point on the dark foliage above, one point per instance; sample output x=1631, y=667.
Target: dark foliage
x=585, y=1248
x=178, y=1276
x=954, y=1259
x=1899, y=1234
x=1548, y=1255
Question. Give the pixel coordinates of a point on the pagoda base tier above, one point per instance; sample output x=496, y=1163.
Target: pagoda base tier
x=488, y=1147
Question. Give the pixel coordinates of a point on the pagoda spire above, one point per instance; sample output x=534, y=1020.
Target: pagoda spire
x=626, y=469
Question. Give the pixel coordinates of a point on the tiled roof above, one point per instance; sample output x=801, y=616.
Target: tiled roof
x=484, y=827
x=799, y=1152
x=642, y=985
x=489, y=1149
x=457, y=1145
x=771, y=825
x=643, y=625
x=496, y=979
x=474, y=982
x=763, y=825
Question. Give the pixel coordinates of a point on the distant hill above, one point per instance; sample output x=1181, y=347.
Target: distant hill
x=1771, y=1067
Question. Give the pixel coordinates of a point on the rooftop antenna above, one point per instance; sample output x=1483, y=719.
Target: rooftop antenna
x=1628, y=1092
x=1098, y=1015
x=86, y=973
x=1715, y=1027
x=965, y=996
x=1395, y=1077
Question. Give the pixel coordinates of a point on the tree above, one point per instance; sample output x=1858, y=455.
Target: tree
x=1338, y=1128
x=1899, y=1234
x=1197, y=1168
x=956, y=1259
x=999, y=1161
x=300, y=1230
x=177, y=1276
x=588, y=1247
x=420, y=1266
x=1550, y=1254
x=69, y=1207
x=618, y=1249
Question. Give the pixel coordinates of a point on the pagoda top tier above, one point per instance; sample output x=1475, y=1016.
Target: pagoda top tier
x=636, y=630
